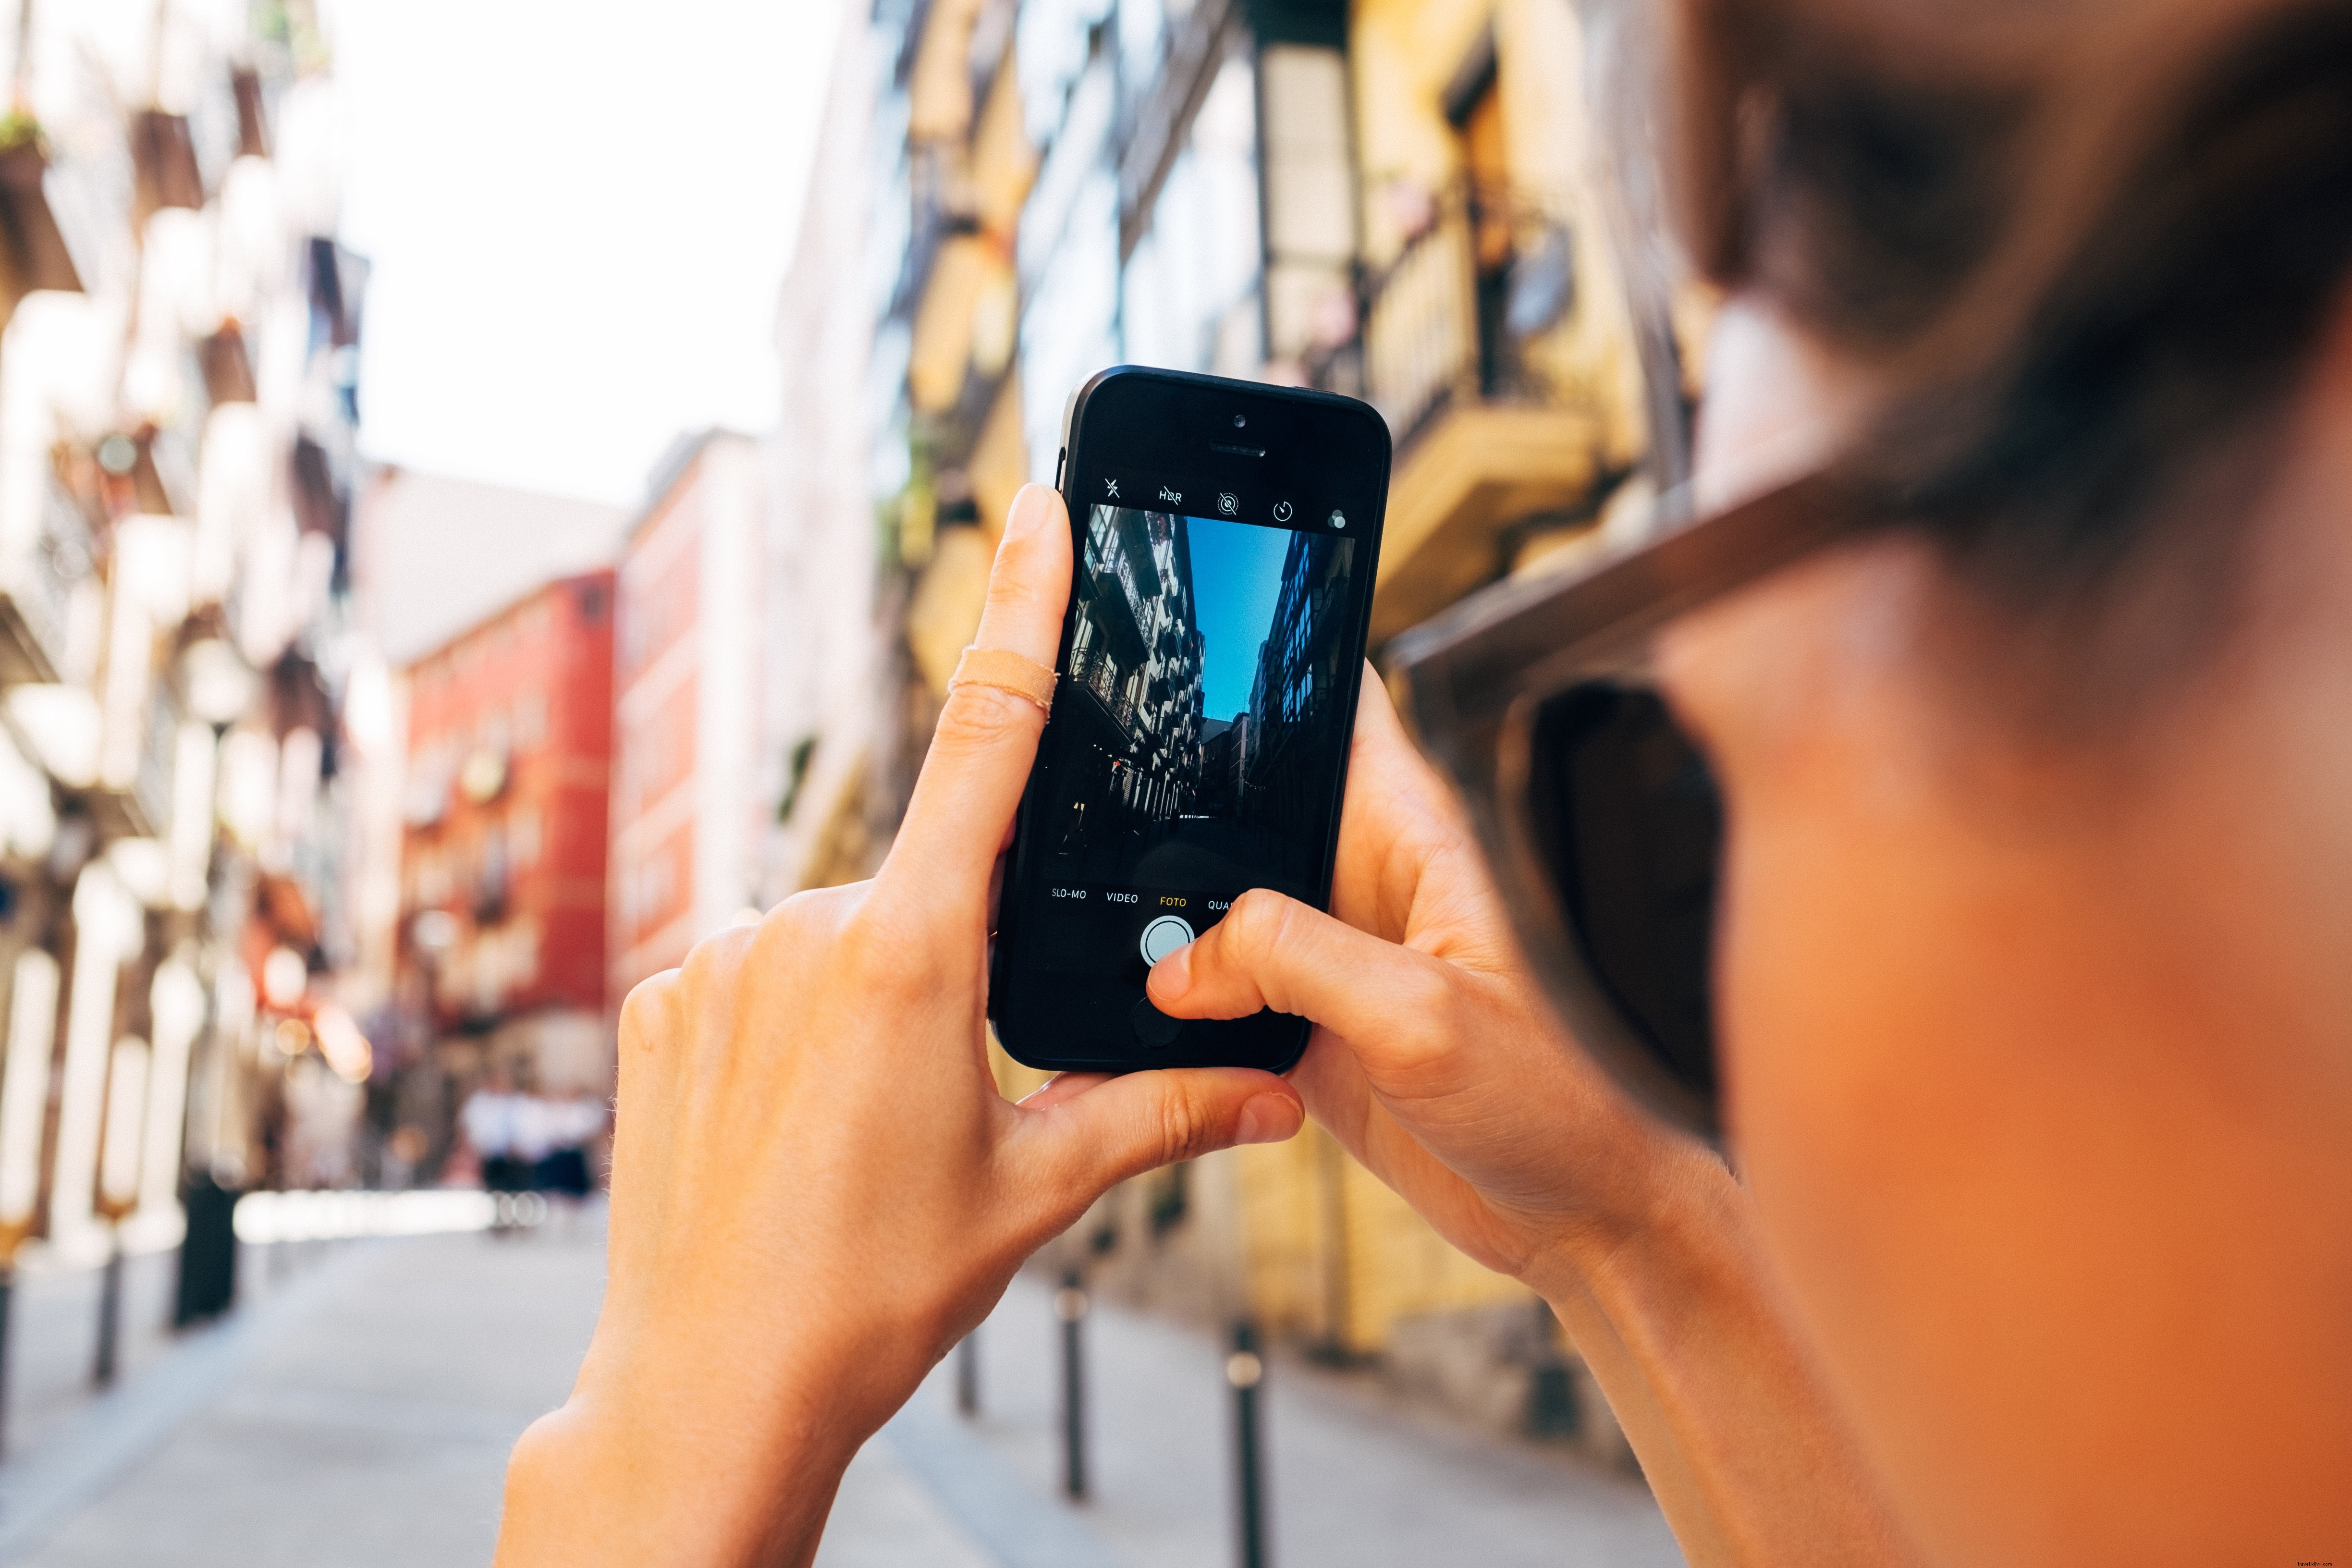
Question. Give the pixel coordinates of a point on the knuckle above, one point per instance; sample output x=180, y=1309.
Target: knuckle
x=1184, y=1125
x=875, y=957
x=1259, y=922
x=1012, y=585
x=712, y=964
x=646, y=1011
x=979, y=716
x=807, y=919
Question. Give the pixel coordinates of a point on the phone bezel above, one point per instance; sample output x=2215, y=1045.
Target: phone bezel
x=1135, y=417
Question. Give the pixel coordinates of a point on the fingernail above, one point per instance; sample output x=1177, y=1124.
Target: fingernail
x=1173, y=975
x=1030, y=509
x=1265, y=1119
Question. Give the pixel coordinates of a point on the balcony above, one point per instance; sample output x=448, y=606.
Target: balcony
x=1451, y=355
x=1093, y=671
x=36, y=589
x=33, y=253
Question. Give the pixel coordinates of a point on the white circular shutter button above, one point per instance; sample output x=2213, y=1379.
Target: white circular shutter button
x=1164, y=936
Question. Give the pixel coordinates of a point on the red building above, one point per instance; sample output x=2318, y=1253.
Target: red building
x=503, y=845
x=689, y=812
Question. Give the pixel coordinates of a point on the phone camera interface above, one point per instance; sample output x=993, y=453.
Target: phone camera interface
x=1204, y=719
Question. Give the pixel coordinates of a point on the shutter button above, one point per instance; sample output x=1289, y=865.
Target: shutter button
x=1164, y=936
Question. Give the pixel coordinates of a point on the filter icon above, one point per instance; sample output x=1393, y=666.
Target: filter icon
x=1339, y=519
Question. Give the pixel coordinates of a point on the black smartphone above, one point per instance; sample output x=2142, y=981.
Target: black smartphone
x=1226, y=538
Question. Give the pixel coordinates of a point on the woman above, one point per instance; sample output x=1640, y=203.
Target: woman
x=2030, y=975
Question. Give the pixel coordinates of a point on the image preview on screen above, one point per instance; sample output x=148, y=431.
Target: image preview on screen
x=1200, y=729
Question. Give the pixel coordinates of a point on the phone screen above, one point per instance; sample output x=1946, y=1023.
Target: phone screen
x=1204, y=718
x=1198, y=739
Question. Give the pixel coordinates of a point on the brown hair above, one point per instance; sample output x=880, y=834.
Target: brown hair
x=2098, y=265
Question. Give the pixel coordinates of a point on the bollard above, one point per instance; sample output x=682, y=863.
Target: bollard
x=1070, y=1306
x=1245, y=1371
x=109, y=1315
x=968, y=1373
x=8, y=1319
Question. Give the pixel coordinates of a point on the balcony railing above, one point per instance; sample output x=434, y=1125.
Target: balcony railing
x=943, y=203
x=1094, y=670
x=42, y=587
x=1452, y=319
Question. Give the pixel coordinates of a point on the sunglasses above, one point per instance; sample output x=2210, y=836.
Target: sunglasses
x=1599, y=815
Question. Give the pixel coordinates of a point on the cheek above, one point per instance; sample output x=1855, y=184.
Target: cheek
x=1854, y=1119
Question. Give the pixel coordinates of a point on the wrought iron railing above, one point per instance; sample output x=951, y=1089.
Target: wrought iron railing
x=63, y=555
x=1094, y=670
x=1452, y=319
x=942, y=201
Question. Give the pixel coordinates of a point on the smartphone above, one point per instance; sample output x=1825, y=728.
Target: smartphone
x=1225, y=537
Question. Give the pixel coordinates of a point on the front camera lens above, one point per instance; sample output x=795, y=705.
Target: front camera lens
x=1240, y=420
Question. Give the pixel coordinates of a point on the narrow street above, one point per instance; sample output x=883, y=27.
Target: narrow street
x=358, y=1409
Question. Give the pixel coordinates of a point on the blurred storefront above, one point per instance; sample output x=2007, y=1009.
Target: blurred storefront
x=177, y=406
x=1401, y=200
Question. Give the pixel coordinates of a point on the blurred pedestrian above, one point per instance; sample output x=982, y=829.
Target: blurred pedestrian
x=493, y=1121
x=561, y=1130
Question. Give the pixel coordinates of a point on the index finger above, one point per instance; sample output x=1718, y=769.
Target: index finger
x=981, y=753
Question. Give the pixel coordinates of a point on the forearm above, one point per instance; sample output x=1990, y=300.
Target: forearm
x=620, y=1481
x=1741, y=1443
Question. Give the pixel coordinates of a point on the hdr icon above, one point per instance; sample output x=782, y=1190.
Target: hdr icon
x=1174, y=498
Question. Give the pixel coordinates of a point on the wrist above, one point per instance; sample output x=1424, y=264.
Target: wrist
x=1677, y=1220
x=664, y=1459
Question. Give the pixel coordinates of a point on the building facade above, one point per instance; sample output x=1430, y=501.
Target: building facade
x=177, y=407
x=689, y=819
x=504, y=846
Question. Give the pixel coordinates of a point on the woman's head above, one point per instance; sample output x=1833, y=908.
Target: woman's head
x=2035, y=953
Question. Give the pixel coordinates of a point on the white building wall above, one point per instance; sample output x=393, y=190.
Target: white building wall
x=823, y=647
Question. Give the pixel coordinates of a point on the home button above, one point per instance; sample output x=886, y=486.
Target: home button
x=1152, y=1026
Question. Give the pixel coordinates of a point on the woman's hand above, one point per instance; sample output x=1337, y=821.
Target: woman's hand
x=1439, y=1065
x=1435, y=1062
x=816, y=1189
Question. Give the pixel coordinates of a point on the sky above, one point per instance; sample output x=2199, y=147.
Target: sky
x=578, y=213
x=1237, y=583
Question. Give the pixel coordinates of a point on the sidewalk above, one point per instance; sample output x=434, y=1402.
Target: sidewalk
x=359, y=1411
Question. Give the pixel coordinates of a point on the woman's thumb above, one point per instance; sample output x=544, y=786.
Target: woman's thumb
x=1273, y=952
x=1122, y=1127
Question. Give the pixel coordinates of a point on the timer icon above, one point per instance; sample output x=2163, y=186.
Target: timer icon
x=1282, y=511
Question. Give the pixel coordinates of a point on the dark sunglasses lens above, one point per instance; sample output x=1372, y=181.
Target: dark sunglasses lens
x=1632, y=825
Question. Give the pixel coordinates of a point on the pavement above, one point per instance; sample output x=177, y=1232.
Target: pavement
x=358, y=1408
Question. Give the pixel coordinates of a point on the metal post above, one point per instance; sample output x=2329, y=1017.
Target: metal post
x=1245, y=1371
x=1070, y=1306
x=8, y=1319
x=110, y=1312
x=968, y=1373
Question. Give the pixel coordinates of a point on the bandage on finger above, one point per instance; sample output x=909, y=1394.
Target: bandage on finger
x=1006, y=671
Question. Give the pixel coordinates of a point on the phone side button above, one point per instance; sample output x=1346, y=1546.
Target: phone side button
x=1061, y=459
x=1152, y=1026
